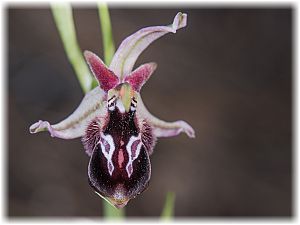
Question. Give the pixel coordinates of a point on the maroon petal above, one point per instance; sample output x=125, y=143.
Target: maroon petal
x=139, y=77
x=106, y=78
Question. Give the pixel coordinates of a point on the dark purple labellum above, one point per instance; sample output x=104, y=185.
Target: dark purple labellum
x=119, y=167
x=118, y=188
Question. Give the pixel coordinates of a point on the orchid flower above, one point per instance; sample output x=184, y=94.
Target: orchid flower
x=117, y=131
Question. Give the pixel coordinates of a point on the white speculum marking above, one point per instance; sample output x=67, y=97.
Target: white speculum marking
x=108, y=148
x=133, y=149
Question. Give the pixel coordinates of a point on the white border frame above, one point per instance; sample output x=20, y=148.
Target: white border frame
x=212, y=3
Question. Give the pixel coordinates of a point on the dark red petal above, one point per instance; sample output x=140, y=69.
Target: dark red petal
x=106, y=78
x=139, y=77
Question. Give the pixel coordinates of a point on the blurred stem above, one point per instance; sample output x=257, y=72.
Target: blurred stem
x=110, y=212
x=168, y=211
x=63, y=17
x=107, y=37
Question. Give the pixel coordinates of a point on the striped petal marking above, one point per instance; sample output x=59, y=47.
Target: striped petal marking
x=133, y=149
x=108, y=148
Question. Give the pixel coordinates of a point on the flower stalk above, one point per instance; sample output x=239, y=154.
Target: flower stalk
x=107, y=36
x=168, y=210
x=64, y=21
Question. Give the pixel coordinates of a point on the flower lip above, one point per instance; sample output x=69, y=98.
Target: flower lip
x=118, y=188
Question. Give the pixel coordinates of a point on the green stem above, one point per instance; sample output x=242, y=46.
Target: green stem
x=63, y=17
x=107, y=37
x=168, y=211
x=111, y=213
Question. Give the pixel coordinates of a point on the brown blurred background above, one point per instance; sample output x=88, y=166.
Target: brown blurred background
x=228, y=73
